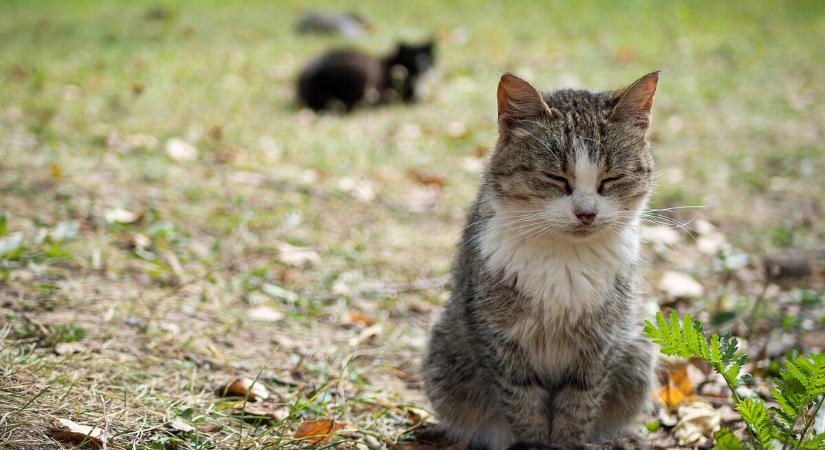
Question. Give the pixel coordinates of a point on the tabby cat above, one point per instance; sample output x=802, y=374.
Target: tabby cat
x=540, y=345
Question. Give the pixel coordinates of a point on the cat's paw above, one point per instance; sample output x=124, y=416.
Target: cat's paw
x=524, y=445
x=625, y=442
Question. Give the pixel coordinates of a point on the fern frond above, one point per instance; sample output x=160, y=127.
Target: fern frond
x=755, y=415
x=668, y=335
x=725, y=440
x=814, y=443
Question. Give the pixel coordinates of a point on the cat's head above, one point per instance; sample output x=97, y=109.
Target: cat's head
x=416, y=58
x=571, y=163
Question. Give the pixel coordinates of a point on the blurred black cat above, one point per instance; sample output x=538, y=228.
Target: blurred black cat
x=350, y=77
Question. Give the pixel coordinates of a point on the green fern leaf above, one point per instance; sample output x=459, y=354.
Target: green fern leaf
x=756, y=417
x=815, y=443
x=725, y=440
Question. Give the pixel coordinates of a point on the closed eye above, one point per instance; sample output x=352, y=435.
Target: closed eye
x=607, y=181
x=559, y=182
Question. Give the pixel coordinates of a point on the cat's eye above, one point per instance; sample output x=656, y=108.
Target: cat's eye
x=559, y=182
x=606, y=183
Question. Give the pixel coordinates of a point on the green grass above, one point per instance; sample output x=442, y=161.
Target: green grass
x=90, y=92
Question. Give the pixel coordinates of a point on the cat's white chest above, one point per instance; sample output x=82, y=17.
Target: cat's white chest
x=562, y=279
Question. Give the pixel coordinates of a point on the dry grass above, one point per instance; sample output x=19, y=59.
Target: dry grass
x=90, y=94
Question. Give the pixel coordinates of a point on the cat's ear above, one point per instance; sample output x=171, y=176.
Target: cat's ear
x=518, y=100
x=635, y=101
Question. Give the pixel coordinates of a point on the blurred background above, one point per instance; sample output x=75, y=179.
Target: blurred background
x=171, y=217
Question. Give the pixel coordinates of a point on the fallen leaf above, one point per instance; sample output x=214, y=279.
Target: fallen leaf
x=180, y=425
x=139, y=241
x=68, y=431
x=216, y=132
x=278, y=292
x=253, y=411
x=244, y=387
x=315, y=432
x=67, y=348
x=422, y=199
x=472, y=164
x=697, y=423
x=712, y=243
x=665, y=418
x=297, y=256
x=426, y=178
x=457, y=129
x=418, y=416
x=680, y=285
x=679, y=387
x=366, y=335
x=123, y=216
x=360, y=188
x=180, y=150
x=265, y=314
x=358, y=318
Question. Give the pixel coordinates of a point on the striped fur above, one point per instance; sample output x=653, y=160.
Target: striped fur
x=540, y=342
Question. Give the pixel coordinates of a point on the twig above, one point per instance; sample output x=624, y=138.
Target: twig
x=809, y=422
x=417, y=285
x=105, y=424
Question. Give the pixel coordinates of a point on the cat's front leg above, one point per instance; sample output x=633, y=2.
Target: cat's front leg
x=525, y=407
x=521, y=396
x=577, y=405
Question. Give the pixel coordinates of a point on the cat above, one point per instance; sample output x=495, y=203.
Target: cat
x=351, y=77
x=540, y=345
x=348, y=24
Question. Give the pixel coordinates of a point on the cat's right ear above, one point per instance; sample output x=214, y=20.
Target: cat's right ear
x=518, y=100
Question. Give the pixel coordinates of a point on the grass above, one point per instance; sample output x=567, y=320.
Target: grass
x=91, y=92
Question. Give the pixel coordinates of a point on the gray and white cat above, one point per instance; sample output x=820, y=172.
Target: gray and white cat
x=540, y=345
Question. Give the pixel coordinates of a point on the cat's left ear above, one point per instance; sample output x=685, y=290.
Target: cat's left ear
x=634, y=102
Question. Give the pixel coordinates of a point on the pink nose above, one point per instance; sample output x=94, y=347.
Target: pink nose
x=586, y=218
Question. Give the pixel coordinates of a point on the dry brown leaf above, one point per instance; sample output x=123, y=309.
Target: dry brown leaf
x=181, y=425
x=358, y=318
x=216, y=132
x=139, y=241
x=68, y=431
x=366, y=335
x=252, y=411
x=426, y=178
x=241, y=387
x=316, y=432
x=697, y=423
x=678, y=389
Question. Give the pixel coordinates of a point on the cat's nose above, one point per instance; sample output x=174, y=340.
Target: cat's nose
x=586, y=217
